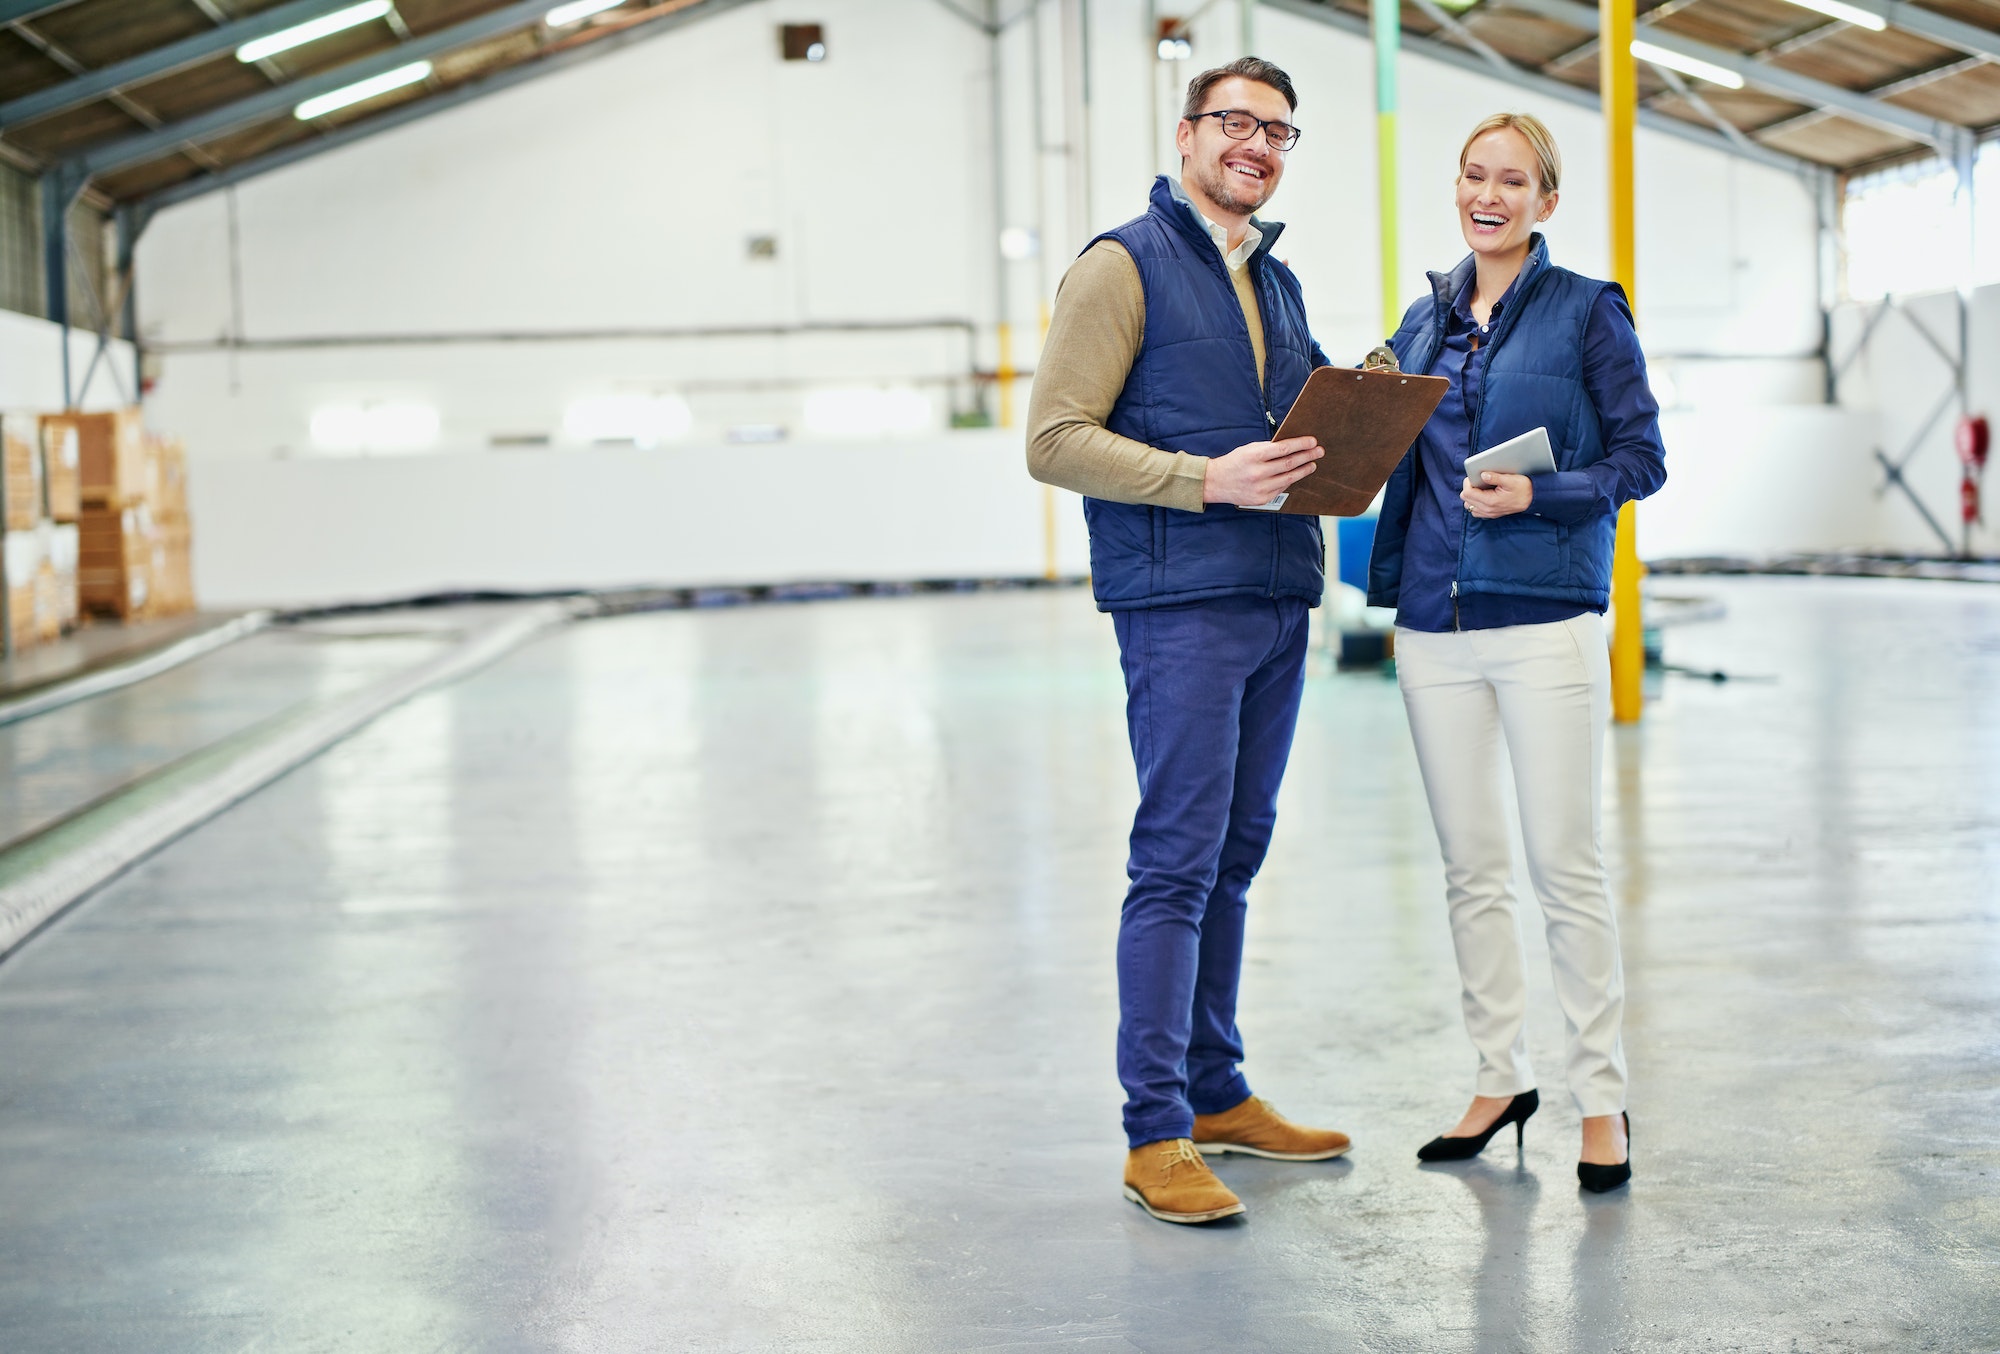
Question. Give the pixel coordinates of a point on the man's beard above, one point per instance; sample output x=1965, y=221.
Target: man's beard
x=1229, y=189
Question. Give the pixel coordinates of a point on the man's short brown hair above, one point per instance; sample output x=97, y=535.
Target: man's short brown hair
x=1249, y=68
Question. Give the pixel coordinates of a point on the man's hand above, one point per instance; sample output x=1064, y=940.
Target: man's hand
x=1500, y=495
x=1257, y=472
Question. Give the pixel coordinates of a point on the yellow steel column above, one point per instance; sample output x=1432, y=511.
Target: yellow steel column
x=1386, y=24
x=1618, y=83
x=1003, y=374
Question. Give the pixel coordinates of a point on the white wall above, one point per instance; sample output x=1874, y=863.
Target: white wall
x=614, y=195
x=298, y=532
x=31, y=376
x=1765, y=481
x=1897, y=380
x=620, y=193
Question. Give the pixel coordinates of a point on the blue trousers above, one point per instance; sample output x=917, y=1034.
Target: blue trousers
x=1212, y=697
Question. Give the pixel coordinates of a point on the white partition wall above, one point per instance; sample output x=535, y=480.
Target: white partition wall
x=301, y=532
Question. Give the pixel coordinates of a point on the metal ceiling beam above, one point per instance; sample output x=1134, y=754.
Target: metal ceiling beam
x=1939, y=28
x=163, y=60
x=12, y=11
x=506, y=78
x=1948, y=137
x=1548, y=86
x=137, y=149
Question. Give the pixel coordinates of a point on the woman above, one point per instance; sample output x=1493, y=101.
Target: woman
x=1500, y=589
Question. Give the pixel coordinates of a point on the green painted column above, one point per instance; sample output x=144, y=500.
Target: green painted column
x=1387, y=16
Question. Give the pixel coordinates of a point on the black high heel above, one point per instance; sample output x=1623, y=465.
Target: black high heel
x=1598, y=1179
x=1519, y=1110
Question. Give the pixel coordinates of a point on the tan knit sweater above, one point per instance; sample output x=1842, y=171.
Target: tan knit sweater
x=1094, y=337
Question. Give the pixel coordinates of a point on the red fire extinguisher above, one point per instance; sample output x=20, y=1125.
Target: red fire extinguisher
x=1973, y=439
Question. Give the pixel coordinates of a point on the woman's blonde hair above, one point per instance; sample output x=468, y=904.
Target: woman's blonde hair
x=1548, y=160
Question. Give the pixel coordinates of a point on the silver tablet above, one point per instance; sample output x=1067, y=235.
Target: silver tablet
x=1528, y=454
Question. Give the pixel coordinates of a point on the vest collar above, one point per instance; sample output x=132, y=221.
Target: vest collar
x=1169, y=202
x=1445, y=287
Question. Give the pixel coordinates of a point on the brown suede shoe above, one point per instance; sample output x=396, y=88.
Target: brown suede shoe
x=1170, y=1180
x=1257, y=1130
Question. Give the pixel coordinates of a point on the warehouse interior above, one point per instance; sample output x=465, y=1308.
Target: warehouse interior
x=566, y=790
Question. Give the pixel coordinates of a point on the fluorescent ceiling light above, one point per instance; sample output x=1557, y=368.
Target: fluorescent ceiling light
x=300, y=34
x=577, y=9
x=362, y=90
x=1833, y=9
x=1686, y=65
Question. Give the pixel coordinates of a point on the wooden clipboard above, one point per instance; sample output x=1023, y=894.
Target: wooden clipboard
x=1366, y=420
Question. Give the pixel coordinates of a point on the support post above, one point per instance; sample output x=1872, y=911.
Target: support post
x=1076, y=123
x=1003, y=331
x=6, y=584
x=1003, y=372
x=1618, y=82
x=132, y=222
x=1387, y=25
x=58, y=192
x=1826, y=208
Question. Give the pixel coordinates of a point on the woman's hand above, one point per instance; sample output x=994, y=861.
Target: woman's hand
x=1499, y=495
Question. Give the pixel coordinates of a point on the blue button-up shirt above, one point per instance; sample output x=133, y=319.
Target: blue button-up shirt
x=1614, y=374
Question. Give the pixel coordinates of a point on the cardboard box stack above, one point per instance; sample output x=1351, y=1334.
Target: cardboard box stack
x=62, y=471
x=62, y=551
x=21, y=453
x=62, y=481
x=173, y=581
x=38, y=557
x=133, y=555
x=115, y=567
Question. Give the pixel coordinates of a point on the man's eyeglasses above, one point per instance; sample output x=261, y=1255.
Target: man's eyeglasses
x=1241, y=126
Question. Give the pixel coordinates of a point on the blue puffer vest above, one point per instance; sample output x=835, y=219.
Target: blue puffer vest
x=1194, y=388
x=1534, y=379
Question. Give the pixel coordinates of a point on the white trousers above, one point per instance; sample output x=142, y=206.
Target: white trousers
x=1545, y=690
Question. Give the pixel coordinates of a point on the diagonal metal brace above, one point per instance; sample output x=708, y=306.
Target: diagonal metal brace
x=1892, y=474
x=1867, y=332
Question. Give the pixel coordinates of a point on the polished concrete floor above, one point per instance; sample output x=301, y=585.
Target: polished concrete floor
x=54, y=763
x=98, y=643
x=740, y=980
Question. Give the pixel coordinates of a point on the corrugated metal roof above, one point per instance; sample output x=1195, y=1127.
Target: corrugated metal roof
x=1901, y=68
x=56, y=52
x=50, y=56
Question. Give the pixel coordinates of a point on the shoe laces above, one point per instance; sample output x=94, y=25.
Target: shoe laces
x=1184, y=1154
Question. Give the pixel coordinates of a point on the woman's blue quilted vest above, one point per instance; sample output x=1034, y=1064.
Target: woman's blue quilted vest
x=1194, y=388
x=1534, y=379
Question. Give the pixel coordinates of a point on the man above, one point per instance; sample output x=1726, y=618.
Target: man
x=1176, y=344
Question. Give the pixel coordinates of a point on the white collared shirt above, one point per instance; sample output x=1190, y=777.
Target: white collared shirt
x=1237, y=257
x=1234, y=258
